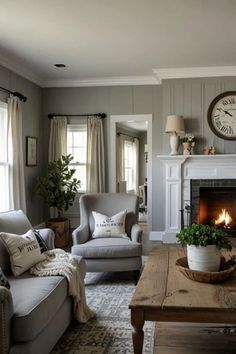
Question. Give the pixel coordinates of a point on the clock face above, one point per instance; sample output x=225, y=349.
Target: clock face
x=222, y=115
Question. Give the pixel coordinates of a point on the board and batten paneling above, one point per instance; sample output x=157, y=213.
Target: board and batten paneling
x=188, y=97
x=191, y=98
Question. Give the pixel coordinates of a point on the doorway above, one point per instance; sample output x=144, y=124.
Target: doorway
x=134, y=122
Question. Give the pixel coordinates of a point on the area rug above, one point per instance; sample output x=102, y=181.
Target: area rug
x=109, y=294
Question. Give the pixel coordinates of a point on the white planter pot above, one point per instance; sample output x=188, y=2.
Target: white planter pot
x=205, y=259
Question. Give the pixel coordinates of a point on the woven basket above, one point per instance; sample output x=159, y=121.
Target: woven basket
x=205, y=277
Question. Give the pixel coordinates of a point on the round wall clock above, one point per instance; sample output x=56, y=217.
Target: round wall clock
x=221, y=115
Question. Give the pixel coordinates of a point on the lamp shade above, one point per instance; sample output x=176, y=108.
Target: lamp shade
x=175, y=124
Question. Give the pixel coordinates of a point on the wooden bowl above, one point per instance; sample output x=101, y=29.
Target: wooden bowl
x=205, y=277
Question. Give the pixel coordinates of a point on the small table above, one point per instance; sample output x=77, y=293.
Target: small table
x=163, y=293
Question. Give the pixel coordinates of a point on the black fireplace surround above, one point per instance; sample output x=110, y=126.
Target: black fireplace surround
x=209, y=197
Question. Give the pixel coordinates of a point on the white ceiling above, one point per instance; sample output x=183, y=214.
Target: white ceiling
x=122, y=41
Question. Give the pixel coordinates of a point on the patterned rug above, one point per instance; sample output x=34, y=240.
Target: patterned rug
x=109, y=294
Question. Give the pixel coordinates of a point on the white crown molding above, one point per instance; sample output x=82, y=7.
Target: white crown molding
x=20, y=70
x=106, y=81
x=155, y=79
x=182, y=73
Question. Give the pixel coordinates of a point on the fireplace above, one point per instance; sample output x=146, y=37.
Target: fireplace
x=179, y=189
x=213, y=202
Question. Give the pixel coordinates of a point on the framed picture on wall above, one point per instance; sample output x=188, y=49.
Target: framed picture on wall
x=31, y=151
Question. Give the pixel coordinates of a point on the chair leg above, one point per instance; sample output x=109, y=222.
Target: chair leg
x=136, y=276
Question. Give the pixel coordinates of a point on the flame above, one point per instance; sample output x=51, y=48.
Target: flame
x=223, y=218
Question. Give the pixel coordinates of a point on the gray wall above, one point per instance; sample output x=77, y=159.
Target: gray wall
x=32, y=126
x=189, y=97
x=113, y=101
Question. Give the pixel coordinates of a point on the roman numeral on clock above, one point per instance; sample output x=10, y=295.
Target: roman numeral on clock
x=227, y=130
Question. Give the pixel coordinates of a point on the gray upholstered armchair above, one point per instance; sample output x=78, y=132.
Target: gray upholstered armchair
x=109, y=254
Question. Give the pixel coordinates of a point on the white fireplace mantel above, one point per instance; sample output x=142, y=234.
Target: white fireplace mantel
x=178, y=170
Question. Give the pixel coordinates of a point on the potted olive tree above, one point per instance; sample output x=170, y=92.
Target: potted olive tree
x=58, y=187
x=203, y=246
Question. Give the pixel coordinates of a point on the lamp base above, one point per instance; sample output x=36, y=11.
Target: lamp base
x=174, y=144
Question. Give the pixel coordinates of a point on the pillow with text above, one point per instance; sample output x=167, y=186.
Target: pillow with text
x=109, y=226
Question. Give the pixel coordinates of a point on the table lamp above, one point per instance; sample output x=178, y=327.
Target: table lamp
x=174, y=126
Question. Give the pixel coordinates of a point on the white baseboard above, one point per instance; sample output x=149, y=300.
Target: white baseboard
x=162, y=236
x=156, y=235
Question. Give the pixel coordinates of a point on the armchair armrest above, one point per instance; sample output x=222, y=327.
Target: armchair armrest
x=48, y=237
x=6, y=313
x=136, y=233
x=80, y=234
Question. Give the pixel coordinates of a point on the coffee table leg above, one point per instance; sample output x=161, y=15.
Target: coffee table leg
x=137, y=321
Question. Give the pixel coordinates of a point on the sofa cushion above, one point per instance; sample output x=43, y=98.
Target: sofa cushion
x=24, y=251
x=36, y=300
x=108, y=248
x=3, y=280
x=16, y=222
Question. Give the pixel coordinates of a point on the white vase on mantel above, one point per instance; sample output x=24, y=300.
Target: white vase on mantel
x=205, y=259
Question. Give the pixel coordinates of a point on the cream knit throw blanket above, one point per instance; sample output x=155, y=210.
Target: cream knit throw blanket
x=59, y=262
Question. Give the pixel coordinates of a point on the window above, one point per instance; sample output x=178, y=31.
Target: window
x=4, y=187
x=77, y=147
x=129, y=164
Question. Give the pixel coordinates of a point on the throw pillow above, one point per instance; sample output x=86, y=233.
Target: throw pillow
x=41, y=242
x=3, y=280
x=24, y=251
x=109, y=226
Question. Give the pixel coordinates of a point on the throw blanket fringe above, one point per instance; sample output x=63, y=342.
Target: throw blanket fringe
x=59, y=262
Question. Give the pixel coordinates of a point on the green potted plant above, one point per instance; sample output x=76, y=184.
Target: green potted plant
x=58, y=187
x=204, y=243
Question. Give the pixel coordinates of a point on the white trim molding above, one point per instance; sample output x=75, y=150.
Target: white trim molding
x=154, y=79
x=196, y=72
x=114, y=119
x=178, y=172
x=104, y=81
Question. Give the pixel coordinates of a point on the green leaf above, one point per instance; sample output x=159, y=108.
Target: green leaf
x=58, y=186
x=203, y=235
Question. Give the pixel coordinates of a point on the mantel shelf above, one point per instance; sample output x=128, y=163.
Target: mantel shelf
x=185, y=157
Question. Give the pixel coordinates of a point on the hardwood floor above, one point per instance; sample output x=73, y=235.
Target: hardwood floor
x=147, y=245
x=187, y=338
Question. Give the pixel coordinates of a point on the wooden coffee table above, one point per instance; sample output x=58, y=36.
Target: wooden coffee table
x=165, y=294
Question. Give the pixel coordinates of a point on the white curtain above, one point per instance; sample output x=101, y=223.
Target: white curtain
x=120, y=168
x=120, y=158
x=58, y=138
x=15, y=155
x=136, y=165
x=95, y=156
x=57, y=145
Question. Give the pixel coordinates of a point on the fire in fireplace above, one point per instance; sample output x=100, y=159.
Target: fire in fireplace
x=217, y=207
x=224, y=220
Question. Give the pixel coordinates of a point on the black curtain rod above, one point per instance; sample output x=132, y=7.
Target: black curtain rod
x=17, y=94
x=100, y=115
x=130, y=136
